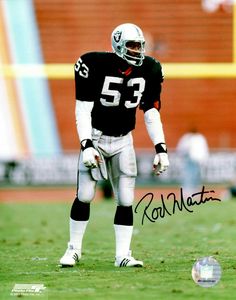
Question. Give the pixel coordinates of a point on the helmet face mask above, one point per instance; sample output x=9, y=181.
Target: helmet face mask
x=128, y=43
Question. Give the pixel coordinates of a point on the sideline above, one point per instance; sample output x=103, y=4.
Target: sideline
x=67, y=194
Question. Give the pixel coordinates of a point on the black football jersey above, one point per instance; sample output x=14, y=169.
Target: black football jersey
x=117, y=89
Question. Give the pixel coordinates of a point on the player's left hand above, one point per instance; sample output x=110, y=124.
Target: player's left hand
x=160, y=163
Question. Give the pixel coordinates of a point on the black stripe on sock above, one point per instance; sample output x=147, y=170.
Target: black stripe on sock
x=80, y=211
x=124, y=215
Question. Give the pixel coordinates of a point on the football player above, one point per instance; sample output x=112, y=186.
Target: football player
x=110, y=86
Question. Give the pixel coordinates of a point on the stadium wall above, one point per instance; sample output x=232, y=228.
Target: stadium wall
x=176, y=31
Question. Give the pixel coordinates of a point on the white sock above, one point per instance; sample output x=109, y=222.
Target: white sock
x=77, y=230
x=123, y=235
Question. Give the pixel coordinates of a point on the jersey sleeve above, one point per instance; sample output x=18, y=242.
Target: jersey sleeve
x=84, y=78
x=154, y=80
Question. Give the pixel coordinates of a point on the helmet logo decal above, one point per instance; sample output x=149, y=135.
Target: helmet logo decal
x=117, y=36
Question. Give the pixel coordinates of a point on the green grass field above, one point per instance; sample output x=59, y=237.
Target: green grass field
x=34, y=236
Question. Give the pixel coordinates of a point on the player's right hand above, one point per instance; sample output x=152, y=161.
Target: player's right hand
x=91, y=157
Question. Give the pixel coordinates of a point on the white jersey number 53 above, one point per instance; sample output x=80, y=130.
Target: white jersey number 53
x=115, y=95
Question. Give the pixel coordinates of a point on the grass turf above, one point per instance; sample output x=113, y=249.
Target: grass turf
x=34, y=236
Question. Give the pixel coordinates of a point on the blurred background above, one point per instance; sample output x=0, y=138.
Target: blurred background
x=40, y=40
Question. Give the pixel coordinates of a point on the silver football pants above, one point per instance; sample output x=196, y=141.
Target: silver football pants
x=119, y=164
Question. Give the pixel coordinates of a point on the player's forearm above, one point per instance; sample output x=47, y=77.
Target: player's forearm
x=154, y=126
x=83, y=111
